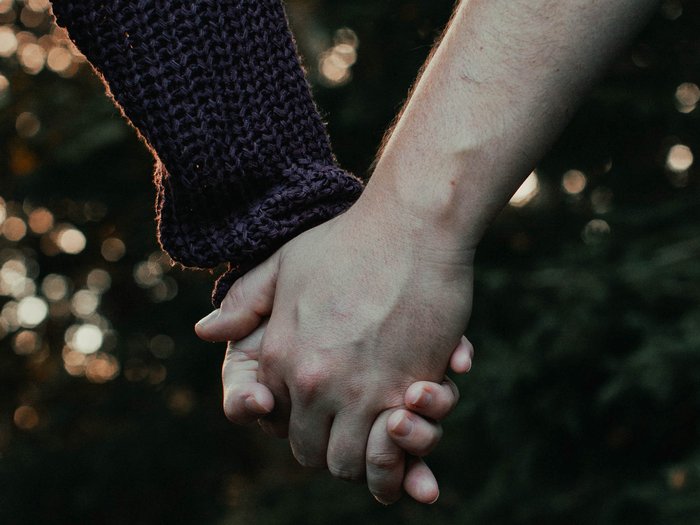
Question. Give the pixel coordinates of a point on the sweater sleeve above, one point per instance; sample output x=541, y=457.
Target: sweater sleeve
x=216, y=90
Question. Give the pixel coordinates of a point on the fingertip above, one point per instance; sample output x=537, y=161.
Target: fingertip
x=461, y=361
x=418, y=396
x=254, y=405
x=205, y=327
x=385, y=501
x=420, y=483
x=400, y=424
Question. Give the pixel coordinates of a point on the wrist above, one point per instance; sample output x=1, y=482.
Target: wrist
x=428, y=226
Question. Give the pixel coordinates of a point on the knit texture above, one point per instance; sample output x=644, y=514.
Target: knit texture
x=217, y=92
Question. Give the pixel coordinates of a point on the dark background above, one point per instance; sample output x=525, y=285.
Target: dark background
x=584, y=402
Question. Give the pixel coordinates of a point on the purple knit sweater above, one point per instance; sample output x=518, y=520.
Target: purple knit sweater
x=216, y=90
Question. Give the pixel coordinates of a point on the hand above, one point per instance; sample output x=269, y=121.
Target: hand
x=393, y=433
x=364, y=305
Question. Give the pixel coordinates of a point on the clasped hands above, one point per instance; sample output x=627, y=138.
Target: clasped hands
x=341, y=342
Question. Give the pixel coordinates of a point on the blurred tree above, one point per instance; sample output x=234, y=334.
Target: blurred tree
x=584, y=403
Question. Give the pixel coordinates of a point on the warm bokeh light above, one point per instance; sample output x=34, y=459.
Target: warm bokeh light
x=98, y=281
x=70, y=240
x=26, y=342
x=680, y=158
x=26, y=417
x=14, y=229
x=32, y=57
x=27, y=125
x=6, y=6
x=164, y=290
x=37, y=5
x=40, y=221
x=86, y=338
x=84, y=303
x=55, y=287
x=335, y=64
x=181, y=401
x=31, y=311
x=528, y=190
x=113, y=249
x=8, y=42
x=59, y=59
x=574, y=182
x=147, y=274
x=101, y=367
x=4, y=86
x=687, y=97
x=162, y=346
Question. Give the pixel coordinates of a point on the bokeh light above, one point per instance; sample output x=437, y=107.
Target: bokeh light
x=14, y=229
x=84, y=303
x=85, y=338
x=31, y=311
x=40, y=221
x=679, y=158
x=595, y=231
x=32, y=57
x=8, y=42
x=55, y=287
x=335, y=63
x=27, y=125
x=6, y=6
x=26, y=342
x=113, y=249
x=528, y=190
x=574, y=182
x=101, y=367
x=70, y=240
x=26, y=417
x=98, y=281
x=687, y=97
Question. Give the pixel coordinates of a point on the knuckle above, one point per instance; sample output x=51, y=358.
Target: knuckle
x=235, y=295
x=383, y=460
x=346, y=472
x=267, y=360
x=309, y=381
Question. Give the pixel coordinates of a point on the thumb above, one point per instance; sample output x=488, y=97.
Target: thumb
x=246, y=304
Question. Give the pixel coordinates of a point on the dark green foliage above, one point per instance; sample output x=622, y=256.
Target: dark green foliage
x=584, y=402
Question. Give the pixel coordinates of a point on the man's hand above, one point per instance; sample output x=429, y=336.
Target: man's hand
x=393, y=433
x=364, y=306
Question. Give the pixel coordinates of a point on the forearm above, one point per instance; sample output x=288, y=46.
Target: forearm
x=499, y=88
x=217, y=92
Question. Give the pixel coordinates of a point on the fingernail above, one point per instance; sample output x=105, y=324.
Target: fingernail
x=436, y=498
x=402, y=427
x=209, y=318
x=421, y=400
x=385, y=503
x=252, y=404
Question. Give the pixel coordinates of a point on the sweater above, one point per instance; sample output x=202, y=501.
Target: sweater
x=216, y=90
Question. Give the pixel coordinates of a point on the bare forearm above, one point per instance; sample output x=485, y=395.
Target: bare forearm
x=497, y=91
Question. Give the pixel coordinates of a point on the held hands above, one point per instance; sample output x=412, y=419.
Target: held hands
x=394, y=433
x=364, y=307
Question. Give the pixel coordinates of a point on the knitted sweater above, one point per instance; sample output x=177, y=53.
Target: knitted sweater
x=216, y=90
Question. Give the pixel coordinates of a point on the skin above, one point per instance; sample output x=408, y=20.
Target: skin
x=371, y=302
x=246, y=400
